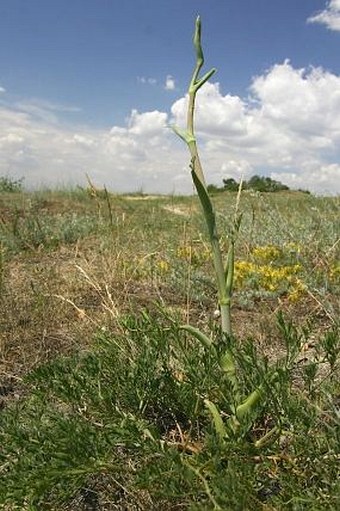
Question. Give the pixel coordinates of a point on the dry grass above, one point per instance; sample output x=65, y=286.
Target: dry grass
x=68, y=286
x=54, y=299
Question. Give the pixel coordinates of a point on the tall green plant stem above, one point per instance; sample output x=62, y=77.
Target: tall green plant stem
x=223, y=276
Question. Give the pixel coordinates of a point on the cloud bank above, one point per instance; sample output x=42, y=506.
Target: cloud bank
x=288, y=128
x=330, y=16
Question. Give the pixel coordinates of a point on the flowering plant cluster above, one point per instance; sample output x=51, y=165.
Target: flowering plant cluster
x=271, y=269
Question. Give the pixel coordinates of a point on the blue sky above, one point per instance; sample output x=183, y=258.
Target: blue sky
x=91, y=85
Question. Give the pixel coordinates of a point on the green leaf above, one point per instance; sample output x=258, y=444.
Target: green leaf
x=268, y=438
x=217, y=419
x=200, y=336
x=249, y=404
x=197, y=40
x=206, y=204
x=204, y=78
x=183, y=134
x=228, y=367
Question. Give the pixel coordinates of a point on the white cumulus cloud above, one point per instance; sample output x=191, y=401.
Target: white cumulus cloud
x=170, y=83
x=124, y=158
x=330, y=16
x=148, y=123
x=216, y=114
x=288, y=128
x=290, y=125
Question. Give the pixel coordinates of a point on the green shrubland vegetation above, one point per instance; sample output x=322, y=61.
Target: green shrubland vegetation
x=10, y=185
x=130, y=380
x=104, y=395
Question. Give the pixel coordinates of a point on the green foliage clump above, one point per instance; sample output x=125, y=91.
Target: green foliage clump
x=29, y=231
x=128, y=422
x=214, y=189
x=10, y=185
x=264, y=184
x=256, y=183
x=230, y=184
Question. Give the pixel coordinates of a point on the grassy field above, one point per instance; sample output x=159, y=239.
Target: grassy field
x=102, y=393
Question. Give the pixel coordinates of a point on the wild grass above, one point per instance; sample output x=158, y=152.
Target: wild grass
x=108, y=402
x=102, y=392
x=123, y=426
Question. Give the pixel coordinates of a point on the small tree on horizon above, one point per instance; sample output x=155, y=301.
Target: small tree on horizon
x=230, y=184
x=256, y=182
x=265, y=184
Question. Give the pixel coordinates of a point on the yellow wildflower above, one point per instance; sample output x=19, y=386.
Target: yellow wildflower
x=195, y=255
x=293, y=247
x=334, y=272
x=267, y=253
x=297, y=290
x=163, y=266
x=184, y=252
x=268, y=277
